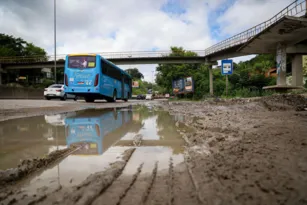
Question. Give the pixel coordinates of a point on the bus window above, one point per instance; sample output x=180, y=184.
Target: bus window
x=111, y=71
x=126, y=80
x=81, y=61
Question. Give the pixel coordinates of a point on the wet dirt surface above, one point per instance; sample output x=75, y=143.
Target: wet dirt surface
x=239, y=151
x=244, y=152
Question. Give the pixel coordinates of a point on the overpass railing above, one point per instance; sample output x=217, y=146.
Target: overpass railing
x=108, y=55
x=297, y=8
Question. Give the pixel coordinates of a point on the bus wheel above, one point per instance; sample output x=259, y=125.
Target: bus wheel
x=114, y=96
x=89, y=100
x=64, y=97
x=126, y=99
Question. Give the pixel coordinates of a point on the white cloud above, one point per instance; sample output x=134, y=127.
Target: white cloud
x=244, y=14
x=91, y=25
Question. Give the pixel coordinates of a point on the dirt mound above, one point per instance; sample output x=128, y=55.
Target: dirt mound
x=285, y=102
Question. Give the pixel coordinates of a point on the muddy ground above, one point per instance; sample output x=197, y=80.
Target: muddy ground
x=240, y=152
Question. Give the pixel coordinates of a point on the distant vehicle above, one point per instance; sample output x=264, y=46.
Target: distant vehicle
x=167, y=95
x=149, y=97
x=141, y=97
x=93, y=77
x=57, y=91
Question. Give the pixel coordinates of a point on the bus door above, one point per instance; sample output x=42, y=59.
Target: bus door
x=123, y=87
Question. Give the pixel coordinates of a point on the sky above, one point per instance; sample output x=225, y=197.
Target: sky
x=95, y=26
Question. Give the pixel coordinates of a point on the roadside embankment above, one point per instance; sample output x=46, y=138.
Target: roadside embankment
x=247, y=151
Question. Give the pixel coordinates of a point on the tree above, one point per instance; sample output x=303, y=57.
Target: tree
x=248, y=76
x=135, y=73
x=169, y=72
x=11, y=46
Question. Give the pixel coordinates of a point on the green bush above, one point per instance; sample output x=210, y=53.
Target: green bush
x=46, y=83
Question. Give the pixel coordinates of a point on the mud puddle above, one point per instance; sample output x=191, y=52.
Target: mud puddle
x=28, y=138
x=103, y=135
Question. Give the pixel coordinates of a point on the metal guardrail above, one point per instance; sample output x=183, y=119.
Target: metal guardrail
x=297, y=8
x=108, y=55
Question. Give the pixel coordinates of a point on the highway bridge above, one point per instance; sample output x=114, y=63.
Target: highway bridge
x=283, y=34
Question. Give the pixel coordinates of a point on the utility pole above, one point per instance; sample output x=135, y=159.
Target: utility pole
x=211, y=80
x=152, y=82
x=226, y=85
x=55, y=80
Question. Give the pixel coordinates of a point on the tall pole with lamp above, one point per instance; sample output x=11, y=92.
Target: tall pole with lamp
x=152, y=82
x=55, y=80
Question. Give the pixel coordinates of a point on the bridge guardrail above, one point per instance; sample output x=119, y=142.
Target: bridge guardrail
x=108, y=55
x=296, y=8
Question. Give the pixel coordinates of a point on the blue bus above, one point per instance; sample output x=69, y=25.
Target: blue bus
x=96, y=130
x=93, y=77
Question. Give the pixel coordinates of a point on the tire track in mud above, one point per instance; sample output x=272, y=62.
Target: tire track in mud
x=184, y=191
x=91, y=194
x=194, y=181
x=120, y=189
x=141, y=188
x=171, y=182
x=92, y=187
x=134, y=178
x=159, y=189
x=152, y=180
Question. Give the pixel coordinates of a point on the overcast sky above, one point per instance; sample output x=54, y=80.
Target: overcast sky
x=132, y=25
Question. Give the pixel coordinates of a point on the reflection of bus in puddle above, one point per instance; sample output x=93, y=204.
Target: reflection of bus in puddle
x=94, y=130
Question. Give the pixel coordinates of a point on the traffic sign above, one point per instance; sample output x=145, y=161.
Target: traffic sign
x=227, y=67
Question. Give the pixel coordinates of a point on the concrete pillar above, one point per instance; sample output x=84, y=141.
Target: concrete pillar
x=211, y=80
x=281, y=61
x=297, y=70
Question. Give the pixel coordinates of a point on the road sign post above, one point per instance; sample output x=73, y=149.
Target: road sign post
x=227, y=69
x=226, y=85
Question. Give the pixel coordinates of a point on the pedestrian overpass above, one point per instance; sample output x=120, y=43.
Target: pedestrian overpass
x=284, y=34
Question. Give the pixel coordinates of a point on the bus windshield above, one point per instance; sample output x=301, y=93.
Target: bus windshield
x=81, y=61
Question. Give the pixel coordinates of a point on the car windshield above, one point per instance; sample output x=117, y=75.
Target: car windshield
x=55, y=86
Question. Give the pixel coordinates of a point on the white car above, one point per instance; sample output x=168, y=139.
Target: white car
x=57, y=91
x=149, y=97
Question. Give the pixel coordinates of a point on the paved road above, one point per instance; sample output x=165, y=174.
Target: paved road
x=11, y=109
x=17, y=104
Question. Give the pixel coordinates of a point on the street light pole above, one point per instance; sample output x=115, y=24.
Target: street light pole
x=152, y=82
x=55, y=80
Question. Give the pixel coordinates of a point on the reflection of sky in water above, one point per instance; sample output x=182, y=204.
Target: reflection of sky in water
x=149, y=130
